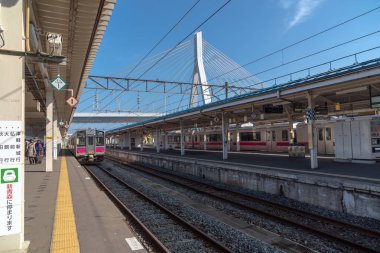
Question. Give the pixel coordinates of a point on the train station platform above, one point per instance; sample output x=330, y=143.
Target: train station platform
x=65, y=211
x=281, y=162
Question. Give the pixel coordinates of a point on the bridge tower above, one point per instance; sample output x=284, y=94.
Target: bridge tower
x=199, y=74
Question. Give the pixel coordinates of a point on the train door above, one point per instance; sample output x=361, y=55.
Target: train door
x=325, y=141
x=271, y=139
x=90, y=144
x=133, y=142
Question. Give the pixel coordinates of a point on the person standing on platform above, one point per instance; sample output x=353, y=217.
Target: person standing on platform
x=41, y=151
x=31, y=152
x=37, y=147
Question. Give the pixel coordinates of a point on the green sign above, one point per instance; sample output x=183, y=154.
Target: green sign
x=58, y=83
x=9, y=175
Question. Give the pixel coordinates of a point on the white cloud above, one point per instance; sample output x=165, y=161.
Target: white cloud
x=303, y=8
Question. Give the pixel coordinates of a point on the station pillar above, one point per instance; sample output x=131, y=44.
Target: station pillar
x=142, y=140
x=12, y=116
x=129, y=140
x=49, y=129
x=224, y=136
x=205, y=140
x=165, y=141
x=157, y=140
x=182, y=138
x=237, y=137
x=312, y=135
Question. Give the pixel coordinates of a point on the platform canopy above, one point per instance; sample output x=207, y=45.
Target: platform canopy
x=81, y=25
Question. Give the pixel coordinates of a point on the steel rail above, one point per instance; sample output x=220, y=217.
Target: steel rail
x=180, y=220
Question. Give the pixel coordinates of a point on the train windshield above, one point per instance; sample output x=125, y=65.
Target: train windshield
x=99, y=138
x=81, y=138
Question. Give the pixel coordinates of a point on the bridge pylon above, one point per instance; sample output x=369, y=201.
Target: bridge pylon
x=199, y=74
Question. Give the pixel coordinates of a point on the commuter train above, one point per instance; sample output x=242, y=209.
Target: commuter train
x=88, y=145
x=269, y=138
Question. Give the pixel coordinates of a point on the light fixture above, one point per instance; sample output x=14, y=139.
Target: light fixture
x=341, y=92
x=282, y=103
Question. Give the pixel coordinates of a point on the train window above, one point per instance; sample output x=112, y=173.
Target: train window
x=81, y=138
x=90, y=140
x=320, y=134
x=215, y=137
x=273, y=135
x=246, y=136
x=257, y=136
x=99, y=141
x=328, y=134
x=285, y=135
x=268, y=136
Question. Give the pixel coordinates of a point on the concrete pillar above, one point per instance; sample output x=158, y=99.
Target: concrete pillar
x=237, y=137
x=157, y=141
x=129, y=140
x=224, y=136
x=12, y=113
x=182, y=138
x=49, y=128
x=312, y=135
x=56, y=134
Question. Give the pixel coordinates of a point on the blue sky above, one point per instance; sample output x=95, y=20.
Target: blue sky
x=244, y=30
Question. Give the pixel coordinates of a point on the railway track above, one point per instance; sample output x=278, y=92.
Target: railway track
x=357, y=238
x=166, y=231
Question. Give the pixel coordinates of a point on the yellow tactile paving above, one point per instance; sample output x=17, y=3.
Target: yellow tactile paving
x=64, y=237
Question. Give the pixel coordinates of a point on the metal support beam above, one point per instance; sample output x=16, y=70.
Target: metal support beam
x=237, y=137
x=129, y=140
x=182, y=138
x=224, y=136
x=157, y=141
x=312, y=134
x=142, y=140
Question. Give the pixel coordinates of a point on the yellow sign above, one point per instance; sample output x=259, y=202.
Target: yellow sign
x=49, y=137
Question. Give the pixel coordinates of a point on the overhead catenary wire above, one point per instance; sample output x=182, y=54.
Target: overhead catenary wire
x=301, y=41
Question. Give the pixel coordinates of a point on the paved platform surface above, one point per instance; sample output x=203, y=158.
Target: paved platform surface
x=99, y=225
x=279, y=161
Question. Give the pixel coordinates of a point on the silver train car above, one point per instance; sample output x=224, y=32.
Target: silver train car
x=88, y=145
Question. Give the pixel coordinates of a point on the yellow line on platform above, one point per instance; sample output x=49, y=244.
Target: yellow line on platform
x=64, y=237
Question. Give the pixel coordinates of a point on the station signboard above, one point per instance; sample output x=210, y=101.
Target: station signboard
x=11, y=180
x=269, y=108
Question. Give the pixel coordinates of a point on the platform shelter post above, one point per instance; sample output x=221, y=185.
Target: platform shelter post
x=237, y=137
x=312, y=134
x=142, y=140
x=224, y=136
x=12, y=116
x=182, y=138
x=49, y=129
x=157, y=141
x=129, y=141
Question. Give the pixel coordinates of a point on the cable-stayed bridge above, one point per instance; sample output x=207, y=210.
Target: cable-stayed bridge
x=188, y=75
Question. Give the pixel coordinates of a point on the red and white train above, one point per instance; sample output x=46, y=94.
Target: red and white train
x=269, y=138
x=88, y=145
